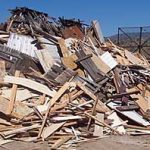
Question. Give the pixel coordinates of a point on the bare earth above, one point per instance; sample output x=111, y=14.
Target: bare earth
x=118, y=143
x=108, y=143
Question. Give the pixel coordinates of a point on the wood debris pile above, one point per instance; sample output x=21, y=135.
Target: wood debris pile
x=63, y=83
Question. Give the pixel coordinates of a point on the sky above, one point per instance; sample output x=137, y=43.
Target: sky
x=110, y=13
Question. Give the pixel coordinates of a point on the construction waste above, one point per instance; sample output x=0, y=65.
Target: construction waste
x=62, y=82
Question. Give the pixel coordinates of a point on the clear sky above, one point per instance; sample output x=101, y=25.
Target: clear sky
x=110, y=13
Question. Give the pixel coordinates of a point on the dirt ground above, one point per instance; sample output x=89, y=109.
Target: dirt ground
x=118, y=143
x=108, y=143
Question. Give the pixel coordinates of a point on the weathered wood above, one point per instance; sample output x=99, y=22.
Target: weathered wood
x=139, y=99
x=2, y=70
x=98, y=130
x=13, y=95
x=89, y=66
x=82, y=87
x=61, y=141
x=98, y=32
x=116, y=122
x=29, y=84
x=8, y=134
x=21, y=94
x=52, y=102
x=47, y=131
x=63, y=48
x=101, y=123
x=93, y=112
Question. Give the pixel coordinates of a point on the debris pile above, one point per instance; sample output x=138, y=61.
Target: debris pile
x=63, y=83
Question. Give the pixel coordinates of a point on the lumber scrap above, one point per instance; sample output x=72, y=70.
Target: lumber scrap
x=48, y=131
x=13, y=95
x=52, y=102
x=29, y=84
x=60, y=142
x=82, y=87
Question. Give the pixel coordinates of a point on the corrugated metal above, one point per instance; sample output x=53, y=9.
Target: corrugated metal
x=22, y=43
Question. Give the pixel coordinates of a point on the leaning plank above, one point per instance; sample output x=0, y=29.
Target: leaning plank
x=2, y=70
x=51, y=129
x=45, y=59
x=98, y=31
x=13, y=95
x=29, y=84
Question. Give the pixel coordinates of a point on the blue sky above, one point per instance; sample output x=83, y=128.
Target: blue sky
x=111, y=13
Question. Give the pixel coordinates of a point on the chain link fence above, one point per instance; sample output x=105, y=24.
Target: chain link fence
x=135, y=39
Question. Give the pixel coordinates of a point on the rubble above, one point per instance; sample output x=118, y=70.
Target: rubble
x=63, y=83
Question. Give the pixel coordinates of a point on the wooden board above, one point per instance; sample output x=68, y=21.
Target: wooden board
x=45, y=59
x=2, y=70
x=141, y=101
x=135, y=60
x=3, y=104
x=116, y=123
x=51, y=129
x=63, y=47
x=29, y=84
x=61, y=141
x=8, y=134
x=98, y=130
x=98, y=62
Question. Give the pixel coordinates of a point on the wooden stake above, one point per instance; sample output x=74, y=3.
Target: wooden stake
x=93, y=113
x=13, y=95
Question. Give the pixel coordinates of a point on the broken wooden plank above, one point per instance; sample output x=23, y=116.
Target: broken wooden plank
x=116, y=120
x=98, y=130
x=61, y=141
x=8, y=134
x=52, y=102
x=29, y=84
x=98, y=32
x=47, y=131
